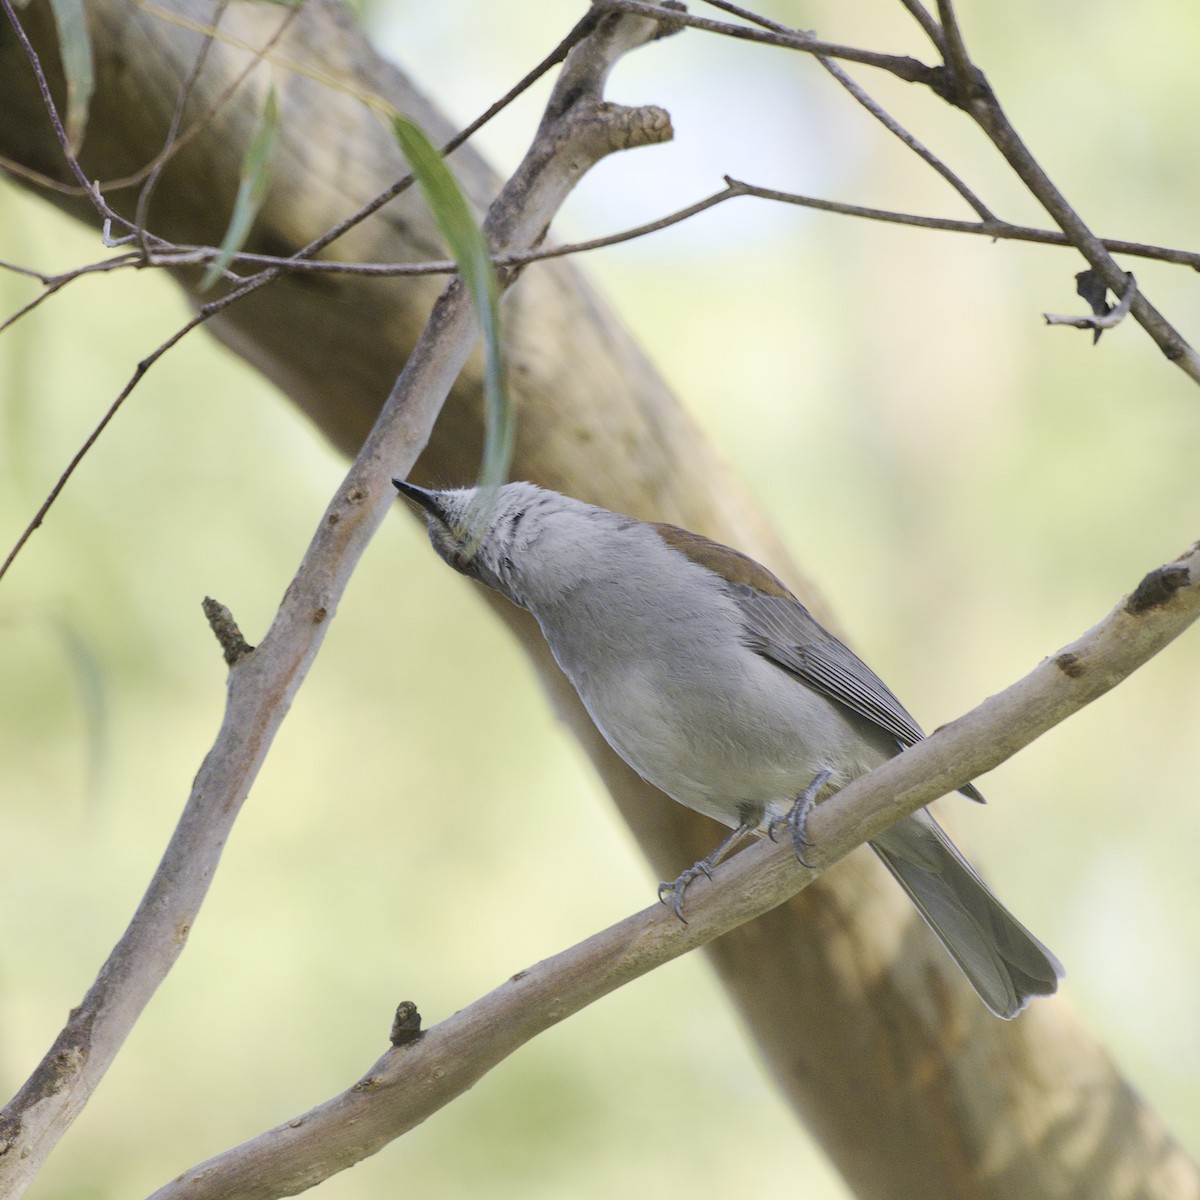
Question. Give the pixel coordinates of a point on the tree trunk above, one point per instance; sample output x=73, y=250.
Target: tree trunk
x=913, y=1089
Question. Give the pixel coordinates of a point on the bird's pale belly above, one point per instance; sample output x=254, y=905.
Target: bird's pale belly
x=721, y=750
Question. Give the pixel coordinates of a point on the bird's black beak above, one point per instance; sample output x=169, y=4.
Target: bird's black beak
x=418, y=495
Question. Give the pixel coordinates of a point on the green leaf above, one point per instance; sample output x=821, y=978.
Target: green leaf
x=75, y=48
x=253, y=183
x=470, y=251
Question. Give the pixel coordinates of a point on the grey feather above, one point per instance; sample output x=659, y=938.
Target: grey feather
x=1005, y=963
x=781, y=629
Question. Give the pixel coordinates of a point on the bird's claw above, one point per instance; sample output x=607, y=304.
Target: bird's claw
x=797, y=822
x=672, y=893
x=796, y=818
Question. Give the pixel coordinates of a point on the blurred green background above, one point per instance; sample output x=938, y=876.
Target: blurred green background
x=968, y=488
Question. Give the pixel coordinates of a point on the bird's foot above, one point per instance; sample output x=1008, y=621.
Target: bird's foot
x=751, y=817
x=796, y=819
x=672, y=893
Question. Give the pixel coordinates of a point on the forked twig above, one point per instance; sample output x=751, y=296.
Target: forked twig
x=876, y=110
x=971, y=91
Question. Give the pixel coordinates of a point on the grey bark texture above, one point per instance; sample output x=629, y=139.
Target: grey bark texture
x=913, y=1089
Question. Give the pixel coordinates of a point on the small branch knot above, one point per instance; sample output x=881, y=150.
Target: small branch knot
x=647, y=125
x=221, y=622
x=406, y=1028
x=1157, y=588
x=1070, y=664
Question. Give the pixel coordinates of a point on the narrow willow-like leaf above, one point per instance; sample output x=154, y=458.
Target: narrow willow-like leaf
x=75, y=48
x=470, y=251
x=254, y=180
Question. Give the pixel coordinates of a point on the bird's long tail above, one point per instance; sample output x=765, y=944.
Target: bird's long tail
x=1005, y=963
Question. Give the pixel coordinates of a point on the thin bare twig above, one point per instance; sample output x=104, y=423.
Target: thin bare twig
x=955, y=48
x=449, y=267
x=202, y=315
x=904, y=67
x=142, y=210
x=917, y=147
x=409, y=1083
x=52, y=109
x=176, y=141
x=577, y=33
x=872, y=106
x=54, y=283
x=21, y=171
x=163, y=253
x=925, y=19
x=972, y=92
x=28, y=272
x=173, y=144
x=995, y=228
x=90, y=189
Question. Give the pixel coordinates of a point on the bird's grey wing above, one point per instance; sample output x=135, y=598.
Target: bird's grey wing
x=781, y=629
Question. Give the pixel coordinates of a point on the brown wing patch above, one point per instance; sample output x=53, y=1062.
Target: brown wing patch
x=729, y=564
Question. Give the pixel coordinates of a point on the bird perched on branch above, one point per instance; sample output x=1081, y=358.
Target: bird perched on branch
x=714, y=683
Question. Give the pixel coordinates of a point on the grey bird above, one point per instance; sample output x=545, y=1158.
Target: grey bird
x=714, y=683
